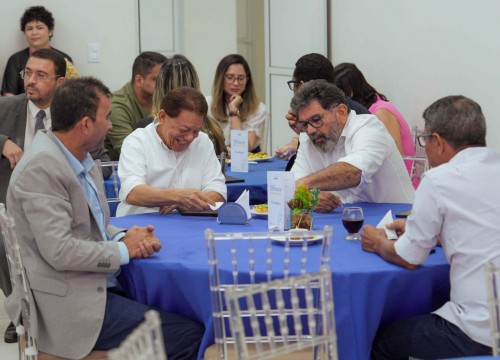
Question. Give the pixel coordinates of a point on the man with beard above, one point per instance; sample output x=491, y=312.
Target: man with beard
x=20, y=117
x=341, y=151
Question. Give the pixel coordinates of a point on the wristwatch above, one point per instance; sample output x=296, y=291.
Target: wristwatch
x=234, y=113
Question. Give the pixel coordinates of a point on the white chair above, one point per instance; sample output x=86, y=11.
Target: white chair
x=240, y=260
x=284, y=316
x=493, y=286
x=144, y=343
x=112, y=197
x=27, y=341
x=419, y=162
x=114, y=176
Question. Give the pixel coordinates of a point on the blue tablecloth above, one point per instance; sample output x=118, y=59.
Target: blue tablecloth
x=368, y=291
x=255, y=181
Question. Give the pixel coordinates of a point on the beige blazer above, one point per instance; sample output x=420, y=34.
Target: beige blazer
x=65, y=257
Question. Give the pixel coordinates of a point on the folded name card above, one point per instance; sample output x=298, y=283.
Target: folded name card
x=239, y=150
x=280, y=189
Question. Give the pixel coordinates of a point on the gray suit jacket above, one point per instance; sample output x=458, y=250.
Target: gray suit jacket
x=65, y=257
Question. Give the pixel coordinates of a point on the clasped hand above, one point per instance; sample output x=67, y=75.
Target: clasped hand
x=141, y=242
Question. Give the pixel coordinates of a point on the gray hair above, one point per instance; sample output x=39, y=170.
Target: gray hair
x=458, y=119
x=326, y=93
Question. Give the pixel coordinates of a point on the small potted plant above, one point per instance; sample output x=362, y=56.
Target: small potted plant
x=302, y=204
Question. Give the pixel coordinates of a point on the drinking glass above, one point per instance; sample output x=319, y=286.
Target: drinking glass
x=352, y=219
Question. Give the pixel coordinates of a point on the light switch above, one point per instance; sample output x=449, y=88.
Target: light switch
x=94, y=52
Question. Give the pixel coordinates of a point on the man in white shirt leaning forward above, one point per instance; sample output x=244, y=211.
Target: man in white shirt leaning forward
x=170, y=164
x=456, y=205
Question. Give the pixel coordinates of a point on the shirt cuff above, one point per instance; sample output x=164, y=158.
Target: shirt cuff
x=124, y=258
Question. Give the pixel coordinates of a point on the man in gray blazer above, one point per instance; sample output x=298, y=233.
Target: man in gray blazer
x=44, y=71
x=70, y=253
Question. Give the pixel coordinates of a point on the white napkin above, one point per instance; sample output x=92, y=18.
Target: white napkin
x=387, y=219
x=217, y=205
x=244, y=201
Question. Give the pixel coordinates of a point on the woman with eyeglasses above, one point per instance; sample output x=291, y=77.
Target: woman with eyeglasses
x=351, y=80
x=234, y=103
x=37, y=24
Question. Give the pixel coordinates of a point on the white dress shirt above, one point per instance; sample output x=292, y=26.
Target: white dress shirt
x=255, y=122
x=365, y=144
x=459, y=202
x=30, y=123
x=145, y=160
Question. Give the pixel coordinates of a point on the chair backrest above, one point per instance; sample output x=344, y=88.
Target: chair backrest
x=144, y=343
x=112, y=194
x=112, y=186
x=419, y=163
x=20, y=284
x=284, y=316
x=239, y=260
x=493, y=286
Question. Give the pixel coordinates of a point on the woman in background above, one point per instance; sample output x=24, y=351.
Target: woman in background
x=178, y=71
x=234, y=103
x=37, y=24
x=350, y=79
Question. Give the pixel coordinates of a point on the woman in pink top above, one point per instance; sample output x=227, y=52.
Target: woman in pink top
x=351, y=80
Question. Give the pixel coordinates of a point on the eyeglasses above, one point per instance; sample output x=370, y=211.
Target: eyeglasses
x=421, y=139
x=242, y=79
x=292, y=84
x=315, y=121
x=26, y=73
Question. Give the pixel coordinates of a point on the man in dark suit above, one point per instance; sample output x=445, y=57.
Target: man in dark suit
x=44, y=72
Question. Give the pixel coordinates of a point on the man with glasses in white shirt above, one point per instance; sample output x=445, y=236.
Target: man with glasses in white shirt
x=456, y=205
x=341, y=151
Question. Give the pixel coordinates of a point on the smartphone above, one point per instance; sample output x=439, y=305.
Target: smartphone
x=403, y=214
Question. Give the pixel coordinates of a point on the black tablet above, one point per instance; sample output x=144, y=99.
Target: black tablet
x=213, y=213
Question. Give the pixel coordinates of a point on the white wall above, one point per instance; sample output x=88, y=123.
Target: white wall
x=208, y=33
x=418, y=51
x=413, y=51
x=112, y=23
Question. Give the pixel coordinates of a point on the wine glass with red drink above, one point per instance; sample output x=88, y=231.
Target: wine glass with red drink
x=352, y=219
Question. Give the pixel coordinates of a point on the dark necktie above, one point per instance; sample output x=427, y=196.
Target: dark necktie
x=39, y=120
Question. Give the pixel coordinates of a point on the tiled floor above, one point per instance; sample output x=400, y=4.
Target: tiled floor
x=7, y=351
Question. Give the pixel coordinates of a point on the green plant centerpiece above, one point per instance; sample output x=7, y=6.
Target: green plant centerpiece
x=302, y=204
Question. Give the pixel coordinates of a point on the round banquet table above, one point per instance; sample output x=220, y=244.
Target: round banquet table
x=368, y=291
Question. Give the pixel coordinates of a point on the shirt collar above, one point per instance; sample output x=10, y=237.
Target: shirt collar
x=34, y=109
x=78, y=167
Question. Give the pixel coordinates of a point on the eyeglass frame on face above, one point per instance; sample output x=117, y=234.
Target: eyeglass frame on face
x=38, y=75
x=292, y=84
x=230, y=78
x=316, y=121
x=421, y=138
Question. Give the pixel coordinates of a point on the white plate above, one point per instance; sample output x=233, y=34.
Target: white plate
x=258, y=214
x=282, y=240
x=228, y=161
